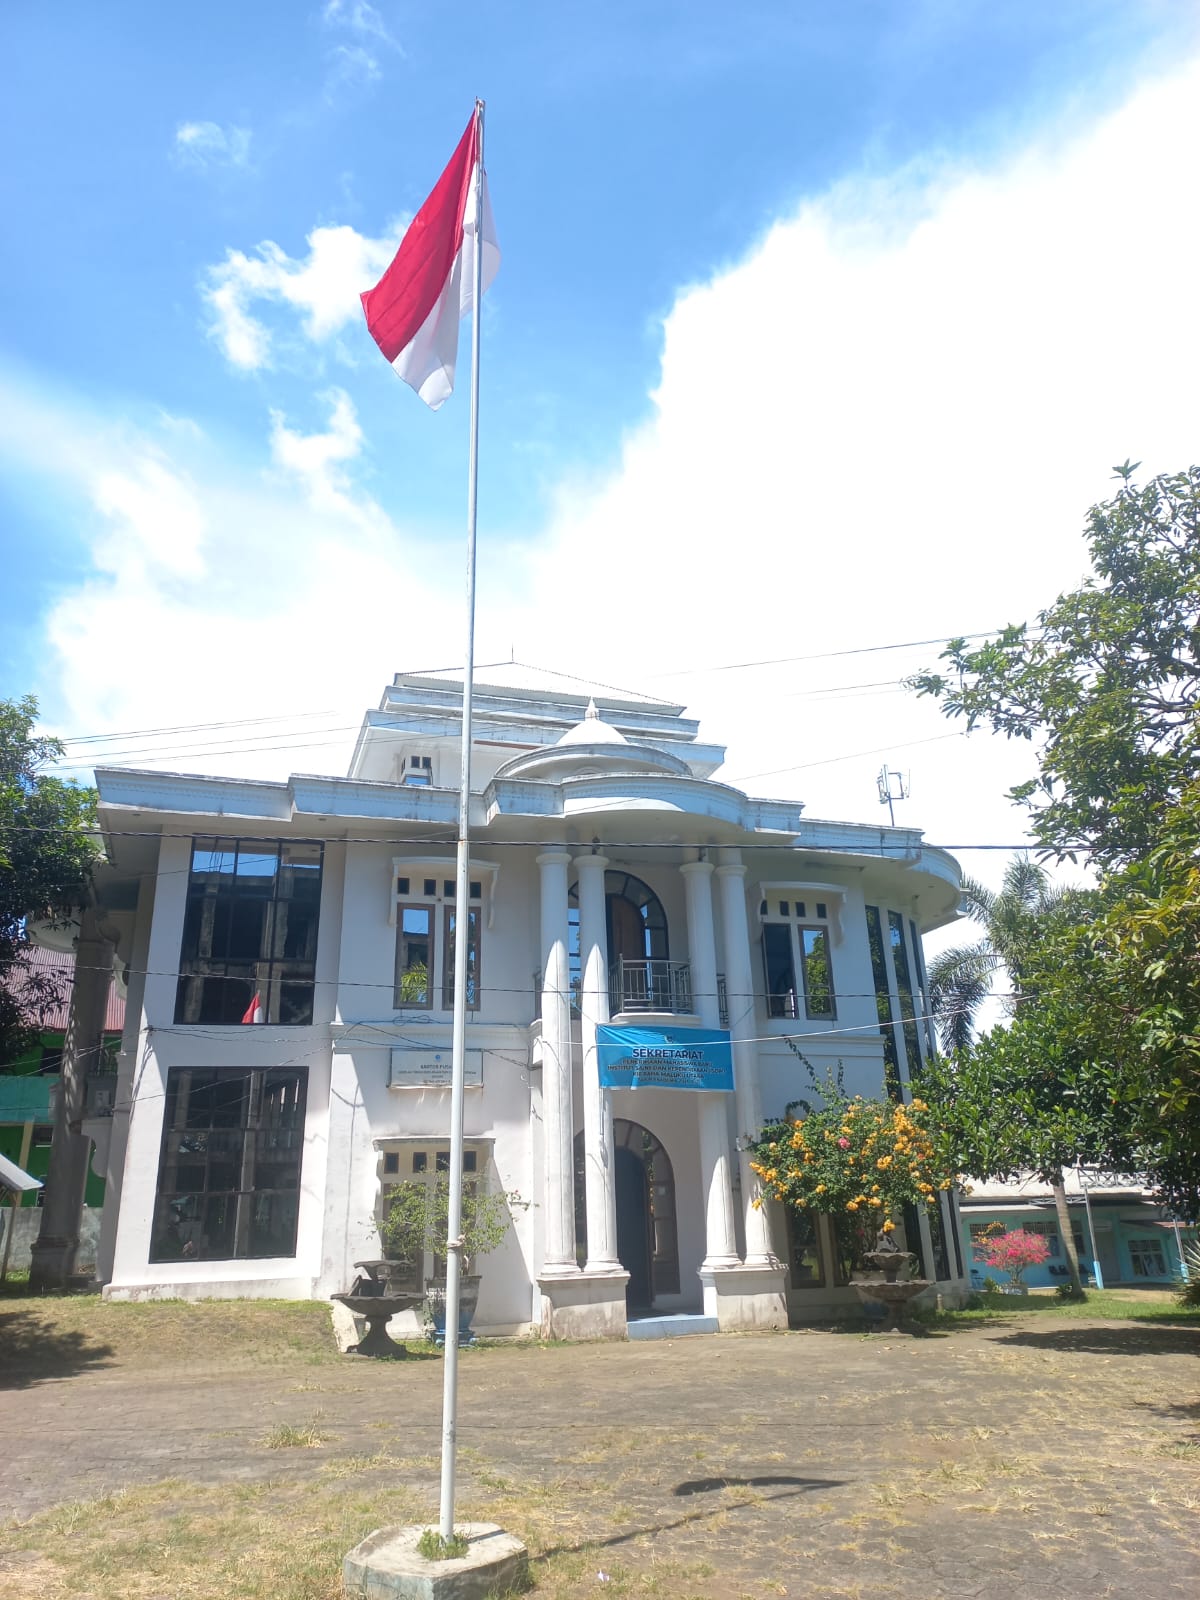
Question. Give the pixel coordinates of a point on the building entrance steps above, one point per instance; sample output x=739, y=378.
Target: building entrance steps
x=674, y=1325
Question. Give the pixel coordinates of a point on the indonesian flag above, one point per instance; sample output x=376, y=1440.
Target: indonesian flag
x=414, y=310
x=254, y=1011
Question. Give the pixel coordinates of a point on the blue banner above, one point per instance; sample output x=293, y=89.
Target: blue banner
x=664, y=1058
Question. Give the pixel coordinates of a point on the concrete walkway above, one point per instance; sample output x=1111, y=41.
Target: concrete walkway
x=1032, y=1458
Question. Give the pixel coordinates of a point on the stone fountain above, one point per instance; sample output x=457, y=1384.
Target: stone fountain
x=376, y=1297
x=886, y=1285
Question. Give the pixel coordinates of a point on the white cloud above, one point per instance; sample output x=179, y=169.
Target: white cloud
x=318, y=461
x=206, y=145
x=352, y=67
x=885, y=423
x=358, y=17
x=207, y=591
x=323, y=287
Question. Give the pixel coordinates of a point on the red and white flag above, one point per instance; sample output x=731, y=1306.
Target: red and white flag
x=414, y=310
x=254, y=1011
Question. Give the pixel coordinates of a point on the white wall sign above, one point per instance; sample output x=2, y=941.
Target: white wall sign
x=419, y=1067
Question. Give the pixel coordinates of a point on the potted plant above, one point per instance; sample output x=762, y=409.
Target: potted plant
x=417, y=1220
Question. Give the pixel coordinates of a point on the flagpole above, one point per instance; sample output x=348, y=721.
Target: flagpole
x=462, y=907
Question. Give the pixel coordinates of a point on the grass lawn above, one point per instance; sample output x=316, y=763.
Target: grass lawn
x=171, y=1451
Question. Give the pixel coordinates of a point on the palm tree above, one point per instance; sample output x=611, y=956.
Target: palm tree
x=1014, y=921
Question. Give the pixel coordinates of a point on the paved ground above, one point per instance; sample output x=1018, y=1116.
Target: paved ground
x=1023, y=1459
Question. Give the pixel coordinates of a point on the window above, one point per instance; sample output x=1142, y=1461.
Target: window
x=981, y=1232
x=638, y=946
x=413, y=1165
x=904, y=989
x=418, y=771
x=250, y=932
x=883, y=1005
x=472, y=960
x=414, y=956
x=796, y=948
x=421, y=957
x=1147, y=1258
x=229, y=1171
x=804, y=1249
x=1047, y=1231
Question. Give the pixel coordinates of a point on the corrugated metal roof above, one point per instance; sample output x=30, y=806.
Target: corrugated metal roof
x=40, y=962
x=14, y=1177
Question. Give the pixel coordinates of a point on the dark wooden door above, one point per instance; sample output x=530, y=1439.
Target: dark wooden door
x=633, y=1228
x=626, y=930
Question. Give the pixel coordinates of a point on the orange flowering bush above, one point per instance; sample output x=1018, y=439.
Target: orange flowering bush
x=868, y=1158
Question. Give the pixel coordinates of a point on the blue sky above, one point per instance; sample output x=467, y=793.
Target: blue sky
x=818, y=327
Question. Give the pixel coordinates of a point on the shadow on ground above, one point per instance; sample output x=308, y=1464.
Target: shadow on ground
x=1130, y=1339
x=31, y=1352
x=697, y=1486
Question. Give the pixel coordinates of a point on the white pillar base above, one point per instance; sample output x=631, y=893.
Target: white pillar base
x=745, y=1298
x=584, y=1305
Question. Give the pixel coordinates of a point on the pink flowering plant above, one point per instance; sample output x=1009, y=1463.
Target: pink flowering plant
x=1014, y=1252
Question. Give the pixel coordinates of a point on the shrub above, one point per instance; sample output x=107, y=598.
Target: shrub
x=1014, y=1252
x=866, y=1158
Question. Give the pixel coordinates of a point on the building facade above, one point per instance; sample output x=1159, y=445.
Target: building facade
x=289, y=949
x=1123, y=1235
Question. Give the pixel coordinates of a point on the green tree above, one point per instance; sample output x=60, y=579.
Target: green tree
x=47, y=851
x=1016, y=922
x=1106, y=680
x=1107, y=683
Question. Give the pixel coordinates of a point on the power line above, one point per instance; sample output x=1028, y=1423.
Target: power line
x=822, y=655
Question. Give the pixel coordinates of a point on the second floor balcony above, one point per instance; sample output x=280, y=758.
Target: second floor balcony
x=646, y=984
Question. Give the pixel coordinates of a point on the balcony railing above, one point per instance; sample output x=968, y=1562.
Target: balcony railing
x=651, y=985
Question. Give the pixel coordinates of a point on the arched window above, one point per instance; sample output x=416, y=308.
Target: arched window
x=635, y=924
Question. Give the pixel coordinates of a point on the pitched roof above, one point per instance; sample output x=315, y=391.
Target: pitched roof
x=523, y=677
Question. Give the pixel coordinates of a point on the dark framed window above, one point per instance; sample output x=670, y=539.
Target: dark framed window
x=229, y=1169
x=797, y=964
x=414, y=957
x=780, y=964
x=805, y=1267
x=473, y=928
x=883, y=1005
x=818, y=973
x=635, y=926
x=904, y=990
x=250, y=932
x=425, y=943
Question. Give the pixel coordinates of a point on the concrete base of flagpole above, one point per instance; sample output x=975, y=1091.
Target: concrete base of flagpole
x=387, y=1566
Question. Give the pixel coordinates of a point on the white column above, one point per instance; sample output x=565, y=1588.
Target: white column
x=556, y=1066
x=720, y=1233
x=739, y=987
x=598, y=1158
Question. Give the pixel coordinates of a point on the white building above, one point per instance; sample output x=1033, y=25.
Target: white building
x=613, y=881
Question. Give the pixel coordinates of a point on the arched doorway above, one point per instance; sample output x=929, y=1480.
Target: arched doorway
x=647, y=1235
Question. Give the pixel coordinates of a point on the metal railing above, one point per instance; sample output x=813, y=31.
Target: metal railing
x=650, y=985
